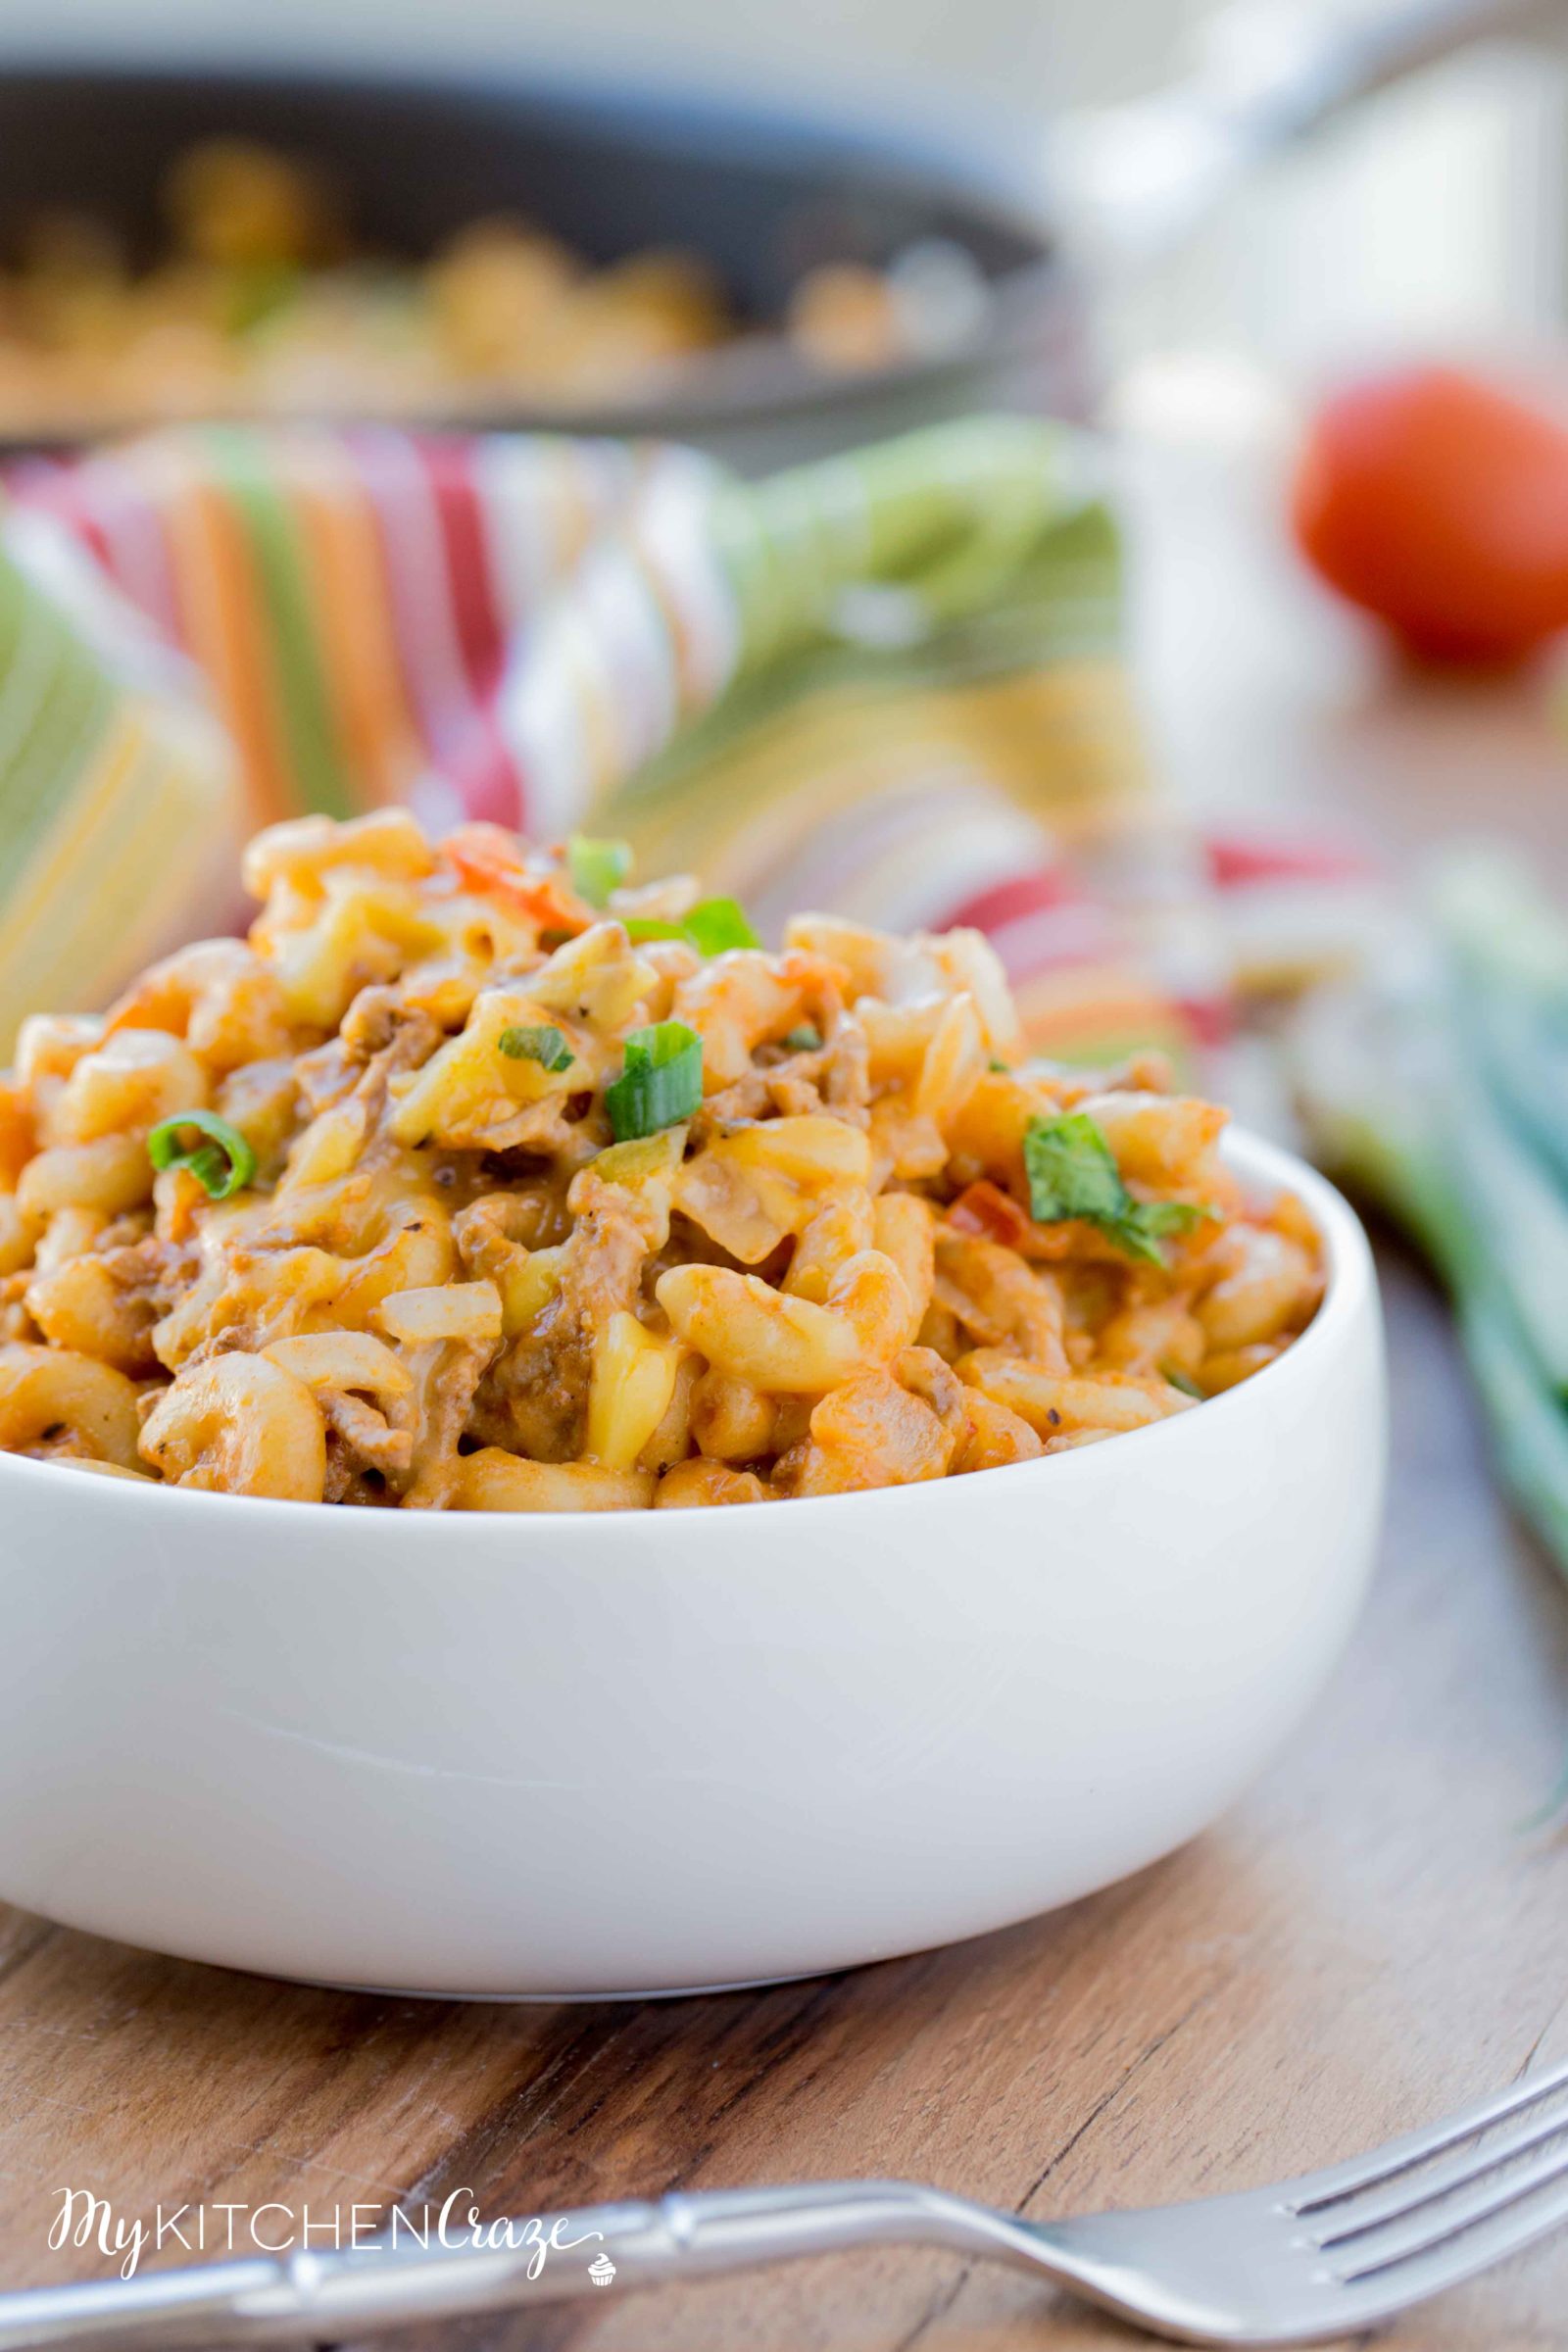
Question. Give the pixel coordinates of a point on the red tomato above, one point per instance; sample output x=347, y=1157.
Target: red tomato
x=994, y=1216
x=1441, y=505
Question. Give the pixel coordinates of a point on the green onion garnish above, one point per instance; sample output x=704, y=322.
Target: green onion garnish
x=597, y=868
x=223, y=1164
x=1175, y=1378
x=662, y=1083
x=1072, y=1172
x=713, y=927
x=544, y=1045
x=804, y=1040
x=717, y=925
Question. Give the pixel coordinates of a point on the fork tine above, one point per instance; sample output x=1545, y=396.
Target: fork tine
x=1422, y=2230
x=1311, y=2190
x=1354, y=2215
x=1448, y=2262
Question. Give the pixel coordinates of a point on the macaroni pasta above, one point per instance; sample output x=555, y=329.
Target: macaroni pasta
x=478, y=1180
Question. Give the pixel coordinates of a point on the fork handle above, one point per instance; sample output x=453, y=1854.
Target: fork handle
x=394, y=2280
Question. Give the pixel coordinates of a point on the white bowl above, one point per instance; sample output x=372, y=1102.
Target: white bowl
x=581, y=1756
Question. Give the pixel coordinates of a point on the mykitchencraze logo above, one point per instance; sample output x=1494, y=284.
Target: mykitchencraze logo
x=85, y=2219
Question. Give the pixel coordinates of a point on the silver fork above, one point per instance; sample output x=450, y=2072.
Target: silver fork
x=1325, y=2255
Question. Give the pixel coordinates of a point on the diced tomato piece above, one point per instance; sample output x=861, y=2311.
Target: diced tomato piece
x=982, y=1209
x=487, y=859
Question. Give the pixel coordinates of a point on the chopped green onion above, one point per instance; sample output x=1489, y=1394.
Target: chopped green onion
x=1072, y=1173
x=1001, y=1068
x=1175, y=1378
x=544, y=1045
x=712, y=926
x=804, y=1040
x=718, y=924
x=597, y=868
x=661, y=1082
x=223, y=1164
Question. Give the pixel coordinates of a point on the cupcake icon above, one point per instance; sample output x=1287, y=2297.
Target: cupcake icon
x=600, y=2270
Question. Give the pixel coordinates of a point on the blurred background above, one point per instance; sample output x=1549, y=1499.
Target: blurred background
x=1428, y=219
x=775, y=233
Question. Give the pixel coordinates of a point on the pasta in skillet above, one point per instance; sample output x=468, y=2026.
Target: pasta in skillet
x=477, y=1179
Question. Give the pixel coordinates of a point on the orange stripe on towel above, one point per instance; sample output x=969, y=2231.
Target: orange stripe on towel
x=226, y=630
x=350, y=600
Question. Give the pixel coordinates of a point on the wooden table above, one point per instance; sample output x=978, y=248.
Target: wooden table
x=1367, y=1941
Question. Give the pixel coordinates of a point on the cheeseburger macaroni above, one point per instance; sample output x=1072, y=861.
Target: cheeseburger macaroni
x=478, y=1179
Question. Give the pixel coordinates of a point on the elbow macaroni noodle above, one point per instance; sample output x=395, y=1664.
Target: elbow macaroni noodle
x=438, y=1280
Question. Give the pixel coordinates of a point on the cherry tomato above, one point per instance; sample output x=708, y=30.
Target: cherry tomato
x=1441, y=504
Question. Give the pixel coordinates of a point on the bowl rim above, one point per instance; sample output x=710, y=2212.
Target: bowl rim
x=1350, y=1281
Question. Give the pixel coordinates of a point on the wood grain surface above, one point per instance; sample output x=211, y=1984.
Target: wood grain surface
x=1368, y=1941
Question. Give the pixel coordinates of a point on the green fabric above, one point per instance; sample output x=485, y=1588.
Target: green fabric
x=959, y=517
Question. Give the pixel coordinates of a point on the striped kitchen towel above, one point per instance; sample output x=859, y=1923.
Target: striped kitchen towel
x=888, y=684
x=119, y=788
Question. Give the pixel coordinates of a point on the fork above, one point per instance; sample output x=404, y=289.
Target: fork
x=1328, y=2254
